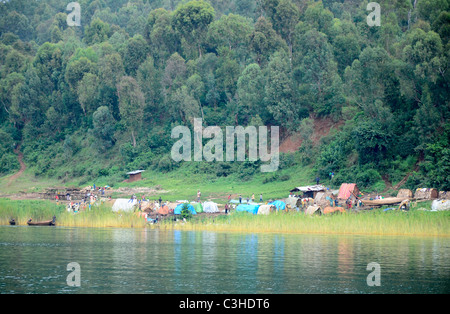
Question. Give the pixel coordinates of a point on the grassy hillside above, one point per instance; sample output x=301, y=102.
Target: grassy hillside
x=182, y=183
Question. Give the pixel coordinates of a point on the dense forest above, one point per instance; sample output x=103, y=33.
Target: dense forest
x=100, y=99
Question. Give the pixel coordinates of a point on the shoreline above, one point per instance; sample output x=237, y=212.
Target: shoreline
x=194, y=227
x=370, y=222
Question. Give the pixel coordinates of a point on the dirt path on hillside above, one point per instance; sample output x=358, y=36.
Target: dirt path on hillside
x=403, y=181
x=321, y=128
x=22, y=165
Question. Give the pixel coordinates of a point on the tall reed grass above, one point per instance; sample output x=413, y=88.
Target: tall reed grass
x=375, y=222
x=98, y=216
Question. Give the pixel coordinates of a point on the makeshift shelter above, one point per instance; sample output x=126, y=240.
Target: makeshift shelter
x=404, y=193
x=164, y=210
x=265, y=209
x=426, y=193
x=444, y=195
x=319, y=197
x=198, y=207
x=146, y=205
x=293, y=202
x=324, y=199
x=329, y=210
x=177, y=210
x=210, y=207
x=279, y=205
x=172, y=206
x=247, y=208
x=439, y=205
x=312, y=209
x=310, y=190
x=348, y=190
x=124, y=204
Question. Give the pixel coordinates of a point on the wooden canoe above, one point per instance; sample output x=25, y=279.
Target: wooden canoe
x=42, y=223
x=384, y=201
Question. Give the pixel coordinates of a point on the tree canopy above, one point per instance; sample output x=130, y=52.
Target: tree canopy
x=136, y=68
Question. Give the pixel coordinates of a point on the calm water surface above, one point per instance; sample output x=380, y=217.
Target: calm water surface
x=34, y=260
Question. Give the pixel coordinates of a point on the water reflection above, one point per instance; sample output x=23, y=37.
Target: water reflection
x=33, y=260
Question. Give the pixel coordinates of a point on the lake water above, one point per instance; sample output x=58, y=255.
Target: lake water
x=35, y=259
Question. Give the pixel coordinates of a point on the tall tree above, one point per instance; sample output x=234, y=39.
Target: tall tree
x=279, y=92
x=285, y=19
x=231, y=31
x=174, y=74
x=87, y=91
x=249, y=87
x=135, y=53
x=103, y=128
x=192, y=20
x=97, y=32
x=161, y=36
x=315, y=70
x=150, y=84
x=131, y=105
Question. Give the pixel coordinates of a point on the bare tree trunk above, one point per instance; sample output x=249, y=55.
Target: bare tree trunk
x=134, y=138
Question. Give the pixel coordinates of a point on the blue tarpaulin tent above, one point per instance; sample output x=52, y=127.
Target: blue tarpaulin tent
x=247, y=208
x=177, y=210
x=280, y=205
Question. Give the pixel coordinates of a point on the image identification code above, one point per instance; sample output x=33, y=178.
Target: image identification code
x=227, y=304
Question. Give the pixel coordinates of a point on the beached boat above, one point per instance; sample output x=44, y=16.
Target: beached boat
x=384, y=201
x=42, y=223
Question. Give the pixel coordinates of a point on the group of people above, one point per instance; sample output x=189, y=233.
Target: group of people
x=100, y=189
x=248, y=198
x=355, y=203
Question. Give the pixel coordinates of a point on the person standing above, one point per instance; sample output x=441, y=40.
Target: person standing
x=199, y=194
x=253, y=197
x=260, y=198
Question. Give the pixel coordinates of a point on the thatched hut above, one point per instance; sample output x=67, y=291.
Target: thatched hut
x=426, y=193
x=312, y=210
x=405, y=193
